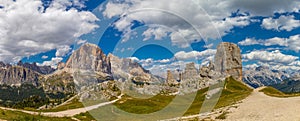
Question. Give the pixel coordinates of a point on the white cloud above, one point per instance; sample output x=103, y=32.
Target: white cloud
x=186, y=18
x=194, y=55
x=267, y=42
x=164, y=61
x=293, y=43
x=290, y=43
x=62, y=51
x=275, y=41
x=44, y=57
x=134, y=59
x=53, y=62
x=25, y=29
x=270, y=57
x=249, y=66
x=157, y=32
x=79, y=42
x=286, y=23
x=248, y=41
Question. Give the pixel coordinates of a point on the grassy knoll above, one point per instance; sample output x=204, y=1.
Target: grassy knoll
x=271, y=91
x=233, y=92
x=164, y=106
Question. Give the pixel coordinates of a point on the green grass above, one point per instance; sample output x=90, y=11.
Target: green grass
x=73, y=104
x=165, y=107
x=234, y=91
x=143, y=106
x=20, y=116
x=85, y=117
x=270, y=91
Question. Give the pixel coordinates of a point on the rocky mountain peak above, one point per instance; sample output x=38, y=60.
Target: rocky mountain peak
x=89, y=57
x=228, y=60
x=33, y=66
x=190, y=71
x=262, y=68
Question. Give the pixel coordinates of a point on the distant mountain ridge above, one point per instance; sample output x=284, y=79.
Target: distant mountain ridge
x=263, y=76
x=290, y=85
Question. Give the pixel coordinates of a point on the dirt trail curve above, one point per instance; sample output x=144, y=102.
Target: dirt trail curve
x=260, y=107
x=66, y=113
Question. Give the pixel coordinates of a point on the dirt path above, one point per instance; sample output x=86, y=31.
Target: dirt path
x=260, y=107
x=66, y=113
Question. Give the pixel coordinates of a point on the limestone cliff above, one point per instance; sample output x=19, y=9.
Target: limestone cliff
x=228, y=60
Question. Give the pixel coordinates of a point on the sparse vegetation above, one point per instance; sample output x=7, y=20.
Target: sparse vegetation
x=20, y=116
x=234, y=91
x=73, y=104
x=85, y=117
x=276, y=93
x=125, y=108
x=222, y=116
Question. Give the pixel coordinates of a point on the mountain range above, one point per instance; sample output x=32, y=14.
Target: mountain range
x=89, y=71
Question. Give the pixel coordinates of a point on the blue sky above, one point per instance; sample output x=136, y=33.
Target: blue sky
x=157, y=33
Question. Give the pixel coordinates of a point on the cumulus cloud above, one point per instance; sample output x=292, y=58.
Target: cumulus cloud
x=44, y=57
x=284, y=22
x=62, y=51
x=27, y=29
x=184, y=20
x=192, y=20
x=290, y=43
x=270, y=57
x=248, y=41
x=157, y=33
x=194, y=55
x=53, y=62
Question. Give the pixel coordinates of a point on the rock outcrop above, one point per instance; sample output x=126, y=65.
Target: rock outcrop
x=124, y=69
x=17, y=75
x=228, y=60
x=61, y=65
x=173, y=78
x=190, y=72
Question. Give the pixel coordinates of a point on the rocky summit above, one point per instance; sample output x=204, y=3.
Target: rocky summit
x=89, y=57
x=228, y=60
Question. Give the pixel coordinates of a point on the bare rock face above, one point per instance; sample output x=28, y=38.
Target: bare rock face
x=61, y=65
x=17, y=75
x=263, y=76
x=191, y=80
x=171, y=77
x=228, y=60
x=124, y=69
x=190, y=72
x=35, y=67
x=89, y=57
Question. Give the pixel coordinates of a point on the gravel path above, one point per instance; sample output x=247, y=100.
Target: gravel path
x=260, y=107
x=66, y=113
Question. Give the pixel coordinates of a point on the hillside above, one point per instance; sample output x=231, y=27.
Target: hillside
x=291, y=85
x=170, y=106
